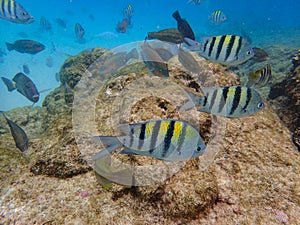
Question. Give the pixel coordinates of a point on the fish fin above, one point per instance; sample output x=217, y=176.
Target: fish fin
x=45, y=90
x=110, y=142
x=9, y=46
x=192, y=44
x=193, y=101
x=176, y=15
x=128, y=152
x=9, y=84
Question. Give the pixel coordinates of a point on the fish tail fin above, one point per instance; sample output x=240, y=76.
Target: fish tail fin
x=194, y=100
x=176, y=15
x=9, y=46
x=110, y=142
x=9, y=84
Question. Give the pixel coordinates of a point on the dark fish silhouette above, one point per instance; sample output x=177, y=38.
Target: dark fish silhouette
x=153, y=61
x=45, y=24
x=12, y=11
x=122, y=26
x=61, y=22
x=25, y=46
x=79, y=31
x=18, y=134
x=183, y=26
x=170, y=35
x=260, y=55
x=24, y=85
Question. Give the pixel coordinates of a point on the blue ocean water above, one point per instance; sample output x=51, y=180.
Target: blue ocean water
x=265, y=22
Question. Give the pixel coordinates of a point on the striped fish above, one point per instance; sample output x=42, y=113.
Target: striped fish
x=224, y=49
x=14, y=12
x=260, y=78
x=166, y=139
x=233, y=101
x=79, y=31
x=217, y=17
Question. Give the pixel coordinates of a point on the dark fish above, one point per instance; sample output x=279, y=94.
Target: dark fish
x=122, y=26
x=170, y=35
x=166, y=139
x=188, y=61
x=217, y=17
x=12, y=11
x=79, y=31
x=196, y=2
x=224, y=49
x=154, y=62
x=183, y=26
x=26, y=69
x=164, y=54
x=231, y=101
x=117, y=60
x=49, y=61
x=24, y=85
x=18, y=134
x=260, y=55
x=26, y=46
x=61, y=22
x=260, y=78
x=45, y=25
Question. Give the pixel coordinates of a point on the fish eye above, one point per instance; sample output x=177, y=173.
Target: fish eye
x=249, y=52
x=260, y=105
x=199, y=148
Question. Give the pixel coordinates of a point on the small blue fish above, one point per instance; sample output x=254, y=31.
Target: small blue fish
x=24, y=85
x=166, y=139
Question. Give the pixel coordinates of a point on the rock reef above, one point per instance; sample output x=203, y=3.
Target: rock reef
x=251, y=175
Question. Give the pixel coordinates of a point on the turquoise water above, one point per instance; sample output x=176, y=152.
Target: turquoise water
x=265, y=22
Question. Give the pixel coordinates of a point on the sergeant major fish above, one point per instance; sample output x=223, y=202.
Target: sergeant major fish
x=233, y=101
x=217, y=17
x=18, y=134
x=12, y=11
x=24, y=85
x=261, y=77
x=166, y=139
x=228, y=50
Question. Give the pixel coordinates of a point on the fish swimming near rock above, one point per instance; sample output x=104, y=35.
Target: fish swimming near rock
x=183, y=26
x=18, y=134
x=14, y=12
x=231, y=101
x=260, y=78
x=165, y=139
x=122, y=26
x=26, y=46
x=153, y=61
x=260, y=55
x=79, y=31
x=217, y=17
x=24, y=85
x=170, y=35
x=227, y=50
x=26, y=69
x=117, y=60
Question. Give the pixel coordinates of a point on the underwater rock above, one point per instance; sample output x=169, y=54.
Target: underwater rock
x=285, y=97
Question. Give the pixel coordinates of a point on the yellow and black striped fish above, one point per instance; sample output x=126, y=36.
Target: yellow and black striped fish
x=128, y=11
x=224, y=49
x=165, y=139
x=217, y=17
x=14, y=12
x=231, y=101
x=260, y=78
